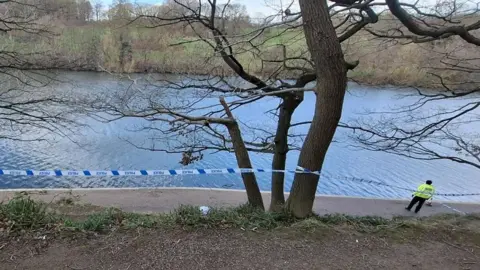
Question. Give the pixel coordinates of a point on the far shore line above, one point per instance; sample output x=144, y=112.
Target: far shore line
x=360, y=82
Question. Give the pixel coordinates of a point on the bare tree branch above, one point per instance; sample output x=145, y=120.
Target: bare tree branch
x=408, y=21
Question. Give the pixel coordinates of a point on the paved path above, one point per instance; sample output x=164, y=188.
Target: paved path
x=167, y=199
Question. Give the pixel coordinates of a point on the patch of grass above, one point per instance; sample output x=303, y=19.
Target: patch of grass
x=23, y=213
x=97, y=221
x=310, y=225
x=135, y=220
x=244, y=216
x=362, y=224
x=113, y=218
x=337, y=219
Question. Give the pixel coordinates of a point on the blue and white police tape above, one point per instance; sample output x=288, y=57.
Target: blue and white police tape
x=174, y=172
x=144, y=172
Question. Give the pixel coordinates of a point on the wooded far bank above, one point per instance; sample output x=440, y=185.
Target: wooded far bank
x=91, y=37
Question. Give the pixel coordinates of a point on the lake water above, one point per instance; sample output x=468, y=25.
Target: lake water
x=104, y=147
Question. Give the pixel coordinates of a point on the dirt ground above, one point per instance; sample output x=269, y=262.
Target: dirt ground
x=287, y=248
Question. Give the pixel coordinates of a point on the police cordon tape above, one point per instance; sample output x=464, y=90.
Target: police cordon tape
x=142, y=172
x=175, y=172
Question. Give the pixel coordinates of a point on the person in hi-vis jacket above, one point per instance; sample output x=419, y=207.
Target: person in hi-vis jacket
x=424, y=192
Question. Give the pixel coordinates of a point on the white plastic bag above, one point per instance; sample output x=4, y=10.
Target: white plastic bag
x=204, y=210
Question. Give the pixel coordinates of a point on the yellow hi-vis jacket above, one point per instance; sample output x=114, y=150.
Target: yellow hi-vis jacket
x=425, y=191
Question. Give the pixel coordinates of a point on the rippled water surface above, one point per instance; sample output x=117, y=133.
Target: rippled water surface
x=104, y=147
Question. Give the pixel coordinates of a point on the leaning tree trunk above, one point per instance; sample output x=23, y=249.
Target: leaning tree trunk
x=330, y=91
x=243, y=160
x=289, y=104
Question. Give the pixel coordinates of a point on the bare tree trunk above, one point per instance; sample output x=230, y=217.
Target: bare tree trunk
x=331, y=85
x=288, y=106
x=243, y=160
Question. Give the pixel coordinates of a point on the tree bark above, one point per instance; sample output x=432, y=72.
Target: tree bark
x=243, y=160
x=330, y=91
x=289, y=104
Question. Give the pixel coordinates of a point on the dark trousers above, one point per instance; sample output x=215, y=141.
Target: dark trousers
x=414, y=201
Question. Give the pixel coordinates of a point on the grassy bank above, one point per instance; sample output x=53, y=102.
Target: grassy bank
x=106, y=46
x=23, y=214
